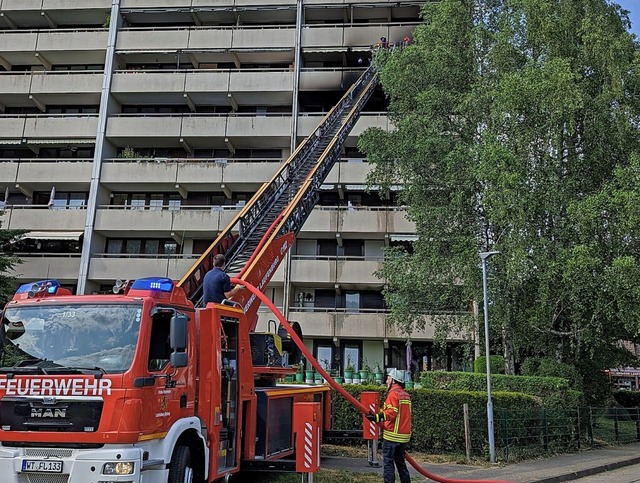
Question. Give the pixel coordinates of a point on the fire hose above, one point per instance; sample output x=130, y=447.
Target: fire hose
x=338, y=387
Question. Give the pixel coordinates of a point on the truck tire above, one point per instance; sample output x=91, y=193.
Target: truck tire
x=180, y=470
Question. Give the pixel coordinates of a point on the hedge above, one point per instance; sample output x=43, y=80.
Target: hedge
x=548, y=367
x=551, y=389
x=496, y=363
x=438, y=421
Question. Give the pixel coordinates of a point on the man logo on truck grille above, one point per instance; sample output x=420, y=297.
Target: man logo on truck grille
x=48, y=412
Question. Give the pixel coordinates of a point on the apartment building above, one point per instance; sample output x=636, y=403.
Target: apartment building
x=132, y=131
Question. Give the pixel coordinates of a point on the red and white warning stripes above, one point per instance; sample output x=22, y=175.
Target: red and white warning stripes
x=308, y=445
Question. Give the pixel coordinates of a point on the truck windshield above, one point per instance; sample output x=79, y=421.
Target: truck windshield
x=101, y=337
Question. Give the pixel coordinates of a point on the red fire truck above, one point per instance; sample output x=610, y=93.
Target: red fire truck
x=145, y=384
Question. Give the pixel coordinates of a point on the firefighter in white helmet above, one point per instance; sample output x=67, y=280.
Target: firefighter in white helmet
x=395, y=417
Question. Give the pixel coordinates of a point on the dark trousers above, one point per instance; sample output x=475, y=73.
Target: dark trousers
x=393, y=453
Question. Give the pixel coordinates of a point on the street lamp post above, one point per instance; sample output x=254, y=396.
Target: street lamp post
x=492, y=443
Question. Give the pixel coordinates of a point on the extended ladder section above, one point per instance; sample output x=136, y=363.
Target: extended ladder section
x=257, y=239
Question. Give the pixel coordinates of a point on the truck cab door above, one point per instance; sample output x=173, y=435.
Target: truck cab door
x=166, y=400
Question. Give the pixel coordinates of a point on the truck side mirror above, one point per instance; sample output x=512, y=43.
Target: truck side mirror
x=178, y=332
x=178, y=359
x=178, y=340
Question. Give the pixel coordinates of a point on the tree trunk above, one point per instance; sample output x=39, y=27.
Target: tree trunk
x=507, y=350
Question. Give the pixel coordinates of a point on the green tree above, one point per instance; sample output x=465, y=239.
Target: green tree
x=516, y=129
x=7, y=263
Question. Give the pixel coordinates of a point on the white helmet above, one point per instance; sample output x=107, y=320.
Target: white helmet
x=397, y=375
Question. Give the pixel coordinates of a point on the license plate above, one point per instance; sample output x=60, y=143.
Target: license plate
x=42, y=466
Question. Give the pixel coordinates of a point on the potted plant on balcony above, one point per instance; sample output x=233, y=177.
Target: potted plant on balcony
x=337, y=377
x=379, y=374
x=365, y=371
x=299, y=374
x=304, y=299
x=326, y=365
x=348, y=370
x=309, y=375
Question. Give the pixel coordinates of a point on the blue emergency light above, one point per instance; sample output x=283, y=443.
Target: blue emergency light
x=51, y=286
x=156, y=284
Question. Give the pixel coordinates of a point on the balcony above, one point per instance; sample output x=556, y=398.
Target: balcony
x=41, y=174
x=329, y=323
x=340, y=270
x=189, y=174
x=397, y=222
x=199, y=174
x=204, y=87
x=59, y=127
x=51, y=47
x=360, y=219
x=206, y=38
x=309, y=121
x=327, y=79
x=197, y=130
x=363, y=220
x=235, y=174
x=59, y=9
x=40, y=217
x=155, y=130
x=62, y=267
x=8, y=172
x=107, y=267
x=188, y=222
x=315, y=36
x=195, y=3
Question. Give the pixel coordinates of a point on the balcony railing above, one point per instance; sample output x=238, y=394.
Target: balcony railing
x=149, y=256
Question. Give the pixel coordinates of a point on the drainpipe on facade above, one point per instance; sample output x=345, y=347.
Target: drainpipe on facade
x=87, y=244
x=294, y=137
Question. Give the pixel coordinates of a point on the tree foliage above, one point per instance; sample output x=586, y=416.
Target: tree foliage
x=7, y=263
x=517, y=130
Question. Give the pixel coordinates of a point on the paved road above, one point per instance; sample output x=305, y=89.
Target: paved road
x=628, y=474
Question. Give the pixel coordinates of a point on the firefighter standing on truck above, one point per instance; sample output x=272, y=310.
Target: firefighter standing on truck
x=395, y=417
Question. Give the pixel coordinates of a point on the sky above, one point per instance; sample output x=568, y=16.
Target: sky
x=634, y=7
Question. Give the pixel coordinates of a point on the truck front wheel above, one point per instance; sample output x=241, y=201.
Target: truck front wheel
x=180, y=470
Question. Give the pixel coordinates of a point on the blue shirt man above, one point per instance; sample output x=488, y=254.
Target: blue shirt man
x=216, y=285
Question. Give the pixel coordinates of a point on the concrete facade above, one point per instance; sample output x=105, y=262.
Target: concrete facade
x=145, y=125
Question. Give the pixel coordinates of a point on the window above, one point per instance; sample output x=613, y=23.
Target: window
x=77, y=200
x=119, y=199
x=155, y=202
x=133, y=247
x=351, y=356
x=62, y=200
x=170, y=247
x=174, y=202
x=115, y=246
x=159, y=349
x=327, y=248
x=353, y=248
x=324, y=355
x=352, y=302
x=370, y=299
x=137, y=202
x=325, y=299
x=425, y=356
x=153, y=246
x=32, y=246
x=150, y=201
x=200, y=246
